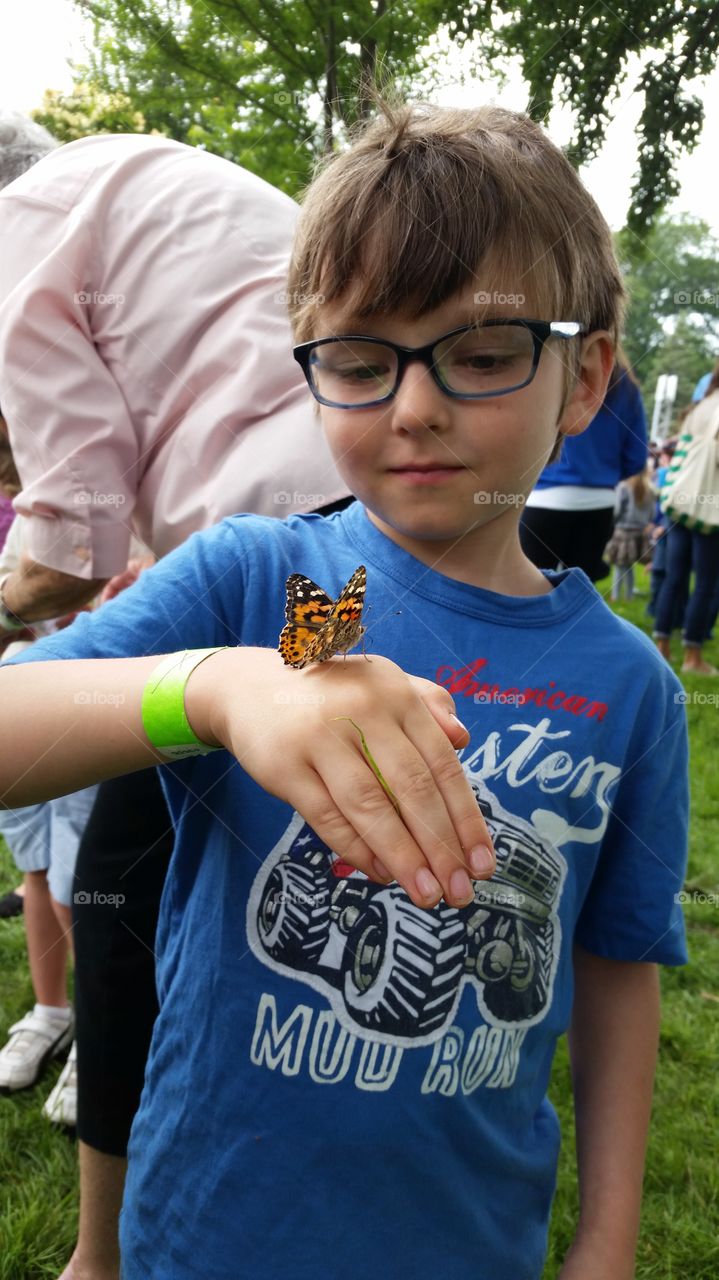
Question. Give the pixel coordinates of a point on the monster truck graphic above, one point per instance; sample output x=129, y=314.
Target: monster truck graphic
x=397, y=969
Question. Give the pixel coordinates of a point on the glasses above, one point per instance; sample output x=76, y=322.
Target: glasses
x=470, y=363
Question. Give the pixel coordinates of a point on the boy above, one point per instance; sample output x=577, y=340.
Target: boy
x=348, y=1073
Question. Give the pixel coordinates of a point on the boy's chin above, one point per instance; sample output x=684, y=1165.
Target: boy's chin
x=423, y=526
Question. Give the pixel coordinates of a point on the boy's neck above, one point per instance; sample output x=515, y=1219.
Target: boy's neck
x=490, y=557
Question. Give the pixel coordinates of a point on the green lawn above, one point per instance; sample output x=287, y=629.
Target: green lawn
x=38, y=1209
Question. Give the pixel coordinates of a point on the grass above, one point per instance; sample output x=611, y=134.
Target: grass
x=38, y=1209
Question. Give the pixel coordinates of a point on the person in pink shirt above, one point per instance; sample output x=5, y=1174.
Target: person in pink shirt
x=147, y=381
x=145, y=367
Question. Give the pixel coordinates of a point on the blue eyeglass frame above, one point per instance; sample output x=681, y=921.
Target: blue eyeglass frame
x=541, y=331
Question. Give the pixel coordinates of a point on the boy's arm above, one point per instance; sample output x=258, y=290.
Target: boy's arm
x=67, y=724
x=613, y=1042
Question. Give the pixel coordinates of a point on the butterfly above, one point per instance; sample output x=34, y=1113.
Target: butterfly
x=318, y=627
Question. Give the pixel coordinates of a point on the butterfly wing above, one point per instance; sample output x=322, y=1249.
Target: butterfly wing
x=343, y=629
x=307, y=610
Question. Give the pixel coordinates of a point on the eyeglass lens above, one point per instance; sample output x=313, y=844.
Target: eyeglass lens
x=481, y=361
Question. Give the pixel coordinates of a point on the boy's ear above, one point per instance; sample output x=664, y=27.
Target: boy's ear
x=585, y=399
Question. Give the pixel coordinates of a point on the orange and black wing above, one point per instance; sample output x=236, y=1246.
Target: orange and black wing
x=307, y=610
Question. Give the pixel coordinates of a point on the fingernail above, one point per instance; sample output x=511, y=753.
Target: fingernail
x=457, y=720
x=380, y=870
x=461, y=886
x=427, y=885
x=481, y=859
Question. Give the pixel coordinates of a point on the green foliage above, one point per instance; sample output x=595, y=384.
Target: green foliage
x=85, y=110
x=576, y=51
x=271, y=84
x=673, y=316
x=274, y=84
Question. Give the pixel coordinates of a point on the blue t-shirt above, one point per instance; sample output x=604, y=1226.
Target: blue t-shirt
x=339, y=1082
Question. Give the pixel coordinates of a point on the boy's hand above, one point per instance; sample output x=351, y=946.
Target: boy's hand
x=280, y=725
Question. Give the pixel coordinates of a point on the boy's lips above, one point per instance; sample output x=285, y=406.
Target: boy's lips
x=426, y=472
x=428, y=466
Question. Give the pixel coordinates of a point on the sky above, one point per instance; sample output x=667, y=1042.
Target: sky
x=38, y=36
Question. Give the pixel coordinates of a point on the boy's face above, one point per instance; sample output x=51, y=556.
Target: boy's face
x=490, y=451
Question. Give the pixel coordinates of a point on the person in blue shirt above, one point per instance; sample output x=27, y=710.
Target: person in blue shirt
x=400, y=874
x=568, y=517
x=702, y=386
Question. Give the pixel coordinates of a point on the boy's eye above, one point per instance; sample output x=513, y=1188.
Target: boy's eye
x=361, y=372
x=347, y=365
x=485, y=361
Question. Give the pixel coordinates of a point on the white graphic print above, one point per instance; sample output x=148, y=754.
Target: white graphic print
x=392, y=973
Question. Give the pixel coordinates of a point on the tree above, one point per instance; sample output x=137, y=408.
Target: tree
x=685, y=352
x=270, y=84
x=85, y=110
x=673, y=316
x=577, y=51
x=274, y=83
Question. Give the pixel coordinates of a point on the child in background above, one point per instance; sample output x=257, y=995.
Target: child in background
x=630, y=542
x=44, y=840
x=349, y=1071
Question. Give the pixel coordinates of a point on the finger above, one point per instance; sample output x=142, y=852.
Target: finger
x=470, y=845
x=315, y=804
x=442, y=707
x=359, y=797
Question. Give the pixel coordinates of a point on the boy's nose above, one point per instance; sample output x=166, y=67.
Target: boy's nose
x=418, y=402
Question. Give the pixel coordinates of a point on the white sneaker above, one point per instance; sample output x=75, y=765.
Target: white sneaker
x=32, y=1042
x=61, y=1105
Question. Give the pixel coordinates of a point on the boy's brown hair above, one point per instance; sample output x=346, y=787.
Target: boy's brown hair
x=426, y=197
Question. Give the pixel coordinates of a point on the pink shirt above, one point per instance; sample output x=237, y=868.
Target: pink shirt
x=146, y=372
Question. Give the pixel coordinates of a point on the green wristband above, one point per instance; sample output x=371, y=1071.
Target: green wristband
x=163, y=705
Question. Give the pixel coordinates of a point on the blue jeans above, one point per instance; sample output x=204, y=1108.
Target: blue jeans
x=659, y=569
x=687, y=550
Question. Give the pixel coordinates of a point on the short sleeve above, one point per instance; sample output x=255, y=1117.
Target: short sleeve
x=632, y=910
